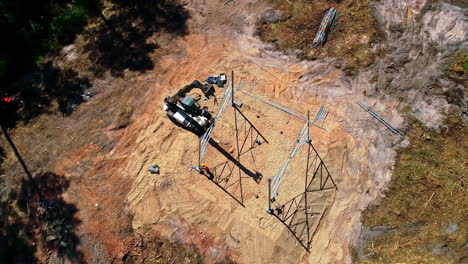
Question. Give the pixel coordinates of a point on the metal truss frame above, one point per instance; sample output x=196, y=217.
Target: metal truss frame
x=248, y=137
x=295, y=213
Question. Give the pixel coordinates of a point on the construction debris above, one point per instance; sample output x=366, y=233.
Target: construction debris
x=321, y=115
x=325, y=27
x=154, y=169
x=394, y=130
x=220, y=80
x=88, y=94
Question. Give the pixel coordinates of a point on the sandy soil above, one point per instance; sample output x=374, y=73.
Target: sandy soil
x=177, y=200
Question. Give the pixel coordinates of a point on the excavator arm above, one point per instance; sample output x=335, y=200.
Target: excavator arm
x=207, y=90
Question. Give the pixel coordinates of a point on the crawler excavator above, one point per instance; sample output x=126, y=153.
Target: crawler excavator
x=183, y=108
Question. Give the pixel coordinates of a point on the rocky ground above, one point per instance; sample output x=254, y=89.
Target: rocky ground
x=103, y=150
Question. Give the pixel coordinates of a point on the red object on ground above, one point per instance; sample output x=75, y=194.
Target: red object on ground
x=6, y=99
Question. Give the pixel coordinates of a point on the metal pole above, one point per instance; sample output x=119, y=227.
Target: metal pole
x=199, y=151
x=306, y=181
x=329, y=175
x=250, y=123
x=323, y=164
x=237, y=136
x=285, y=106
x=383, y=121
x=238, y=154
x=269, y=210
x=284, y=110
x=232, y=85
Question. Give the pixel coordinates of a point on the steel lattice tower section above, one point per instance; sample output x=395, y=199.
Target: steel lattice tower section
x=247, y=138
x=296, y=213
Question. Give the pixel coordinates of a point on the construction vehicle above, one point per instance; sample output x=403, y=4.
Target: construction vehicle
x=184, y=108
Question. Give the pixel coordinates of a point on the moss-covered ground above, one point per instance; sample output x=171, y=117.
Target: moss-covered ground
x=352, y=37
x=426, y=204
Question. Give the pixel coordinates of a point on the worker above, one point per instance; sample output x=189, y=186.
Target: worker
x=205, y=168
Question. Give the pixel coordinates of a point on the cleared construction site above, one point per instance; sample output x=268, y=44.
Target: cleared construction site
x=232, y=132
x=303, y=212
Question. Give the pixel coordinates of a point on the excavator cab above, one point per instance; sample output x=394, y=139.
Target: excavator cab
x=191, y=104
x=185, y=110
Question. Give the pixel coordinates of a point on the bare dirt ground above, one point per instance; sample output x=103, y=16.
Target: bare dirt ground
x=353, y=145
x=110, y=180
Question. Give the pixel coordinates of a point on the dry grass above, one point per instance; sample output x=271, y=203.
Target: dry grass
x=352, y=38
x=427, y=193
x=155, y=249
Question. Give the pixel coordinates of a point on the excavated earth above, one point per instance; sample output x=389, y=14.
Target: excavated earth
x=359, y=152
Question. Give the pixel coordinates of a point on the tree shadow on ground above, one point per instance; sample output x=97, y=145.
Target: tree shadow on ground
x=38, y=216
x=121, y=41
x=36, y=92
x=53, y=83
x=16, y=243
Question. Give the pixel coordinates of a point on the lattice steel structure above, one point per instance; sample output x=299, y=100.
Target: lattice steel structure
x=297, y=214
x=248, y=137
x=205, y=138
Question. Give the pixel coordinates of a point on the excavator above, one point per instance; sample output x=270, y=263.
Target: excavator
x=183, y=108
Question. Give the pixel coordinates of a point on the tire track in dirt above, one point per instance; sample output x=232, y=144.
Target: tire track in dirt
x=252, y=234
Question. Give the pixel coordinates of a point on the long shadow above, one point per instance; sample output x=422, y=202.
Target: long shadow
x=54, y=217
x=121, y=41
x=37, y=214
x=15, y=243
x=224, y=172
x=232, y=159
x=248, y=137
x=17, y=154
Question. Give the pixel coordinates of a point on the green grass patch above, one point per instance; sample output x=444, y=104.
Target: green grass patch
x=460, y=64
x=426, y=195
